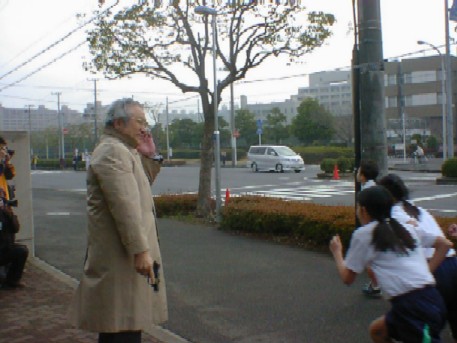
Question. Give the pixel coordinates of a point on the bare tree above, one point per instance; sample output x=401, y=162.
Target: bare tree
x=167, y=40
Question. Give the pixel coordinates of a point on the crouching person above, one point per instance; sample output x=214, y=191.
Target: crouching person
x=12, y=255
x=393, y=251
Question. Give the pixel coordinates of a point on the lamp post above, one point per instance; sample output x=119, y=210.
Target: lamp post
x=450, y=113
x=443, y=96
x=205, y=10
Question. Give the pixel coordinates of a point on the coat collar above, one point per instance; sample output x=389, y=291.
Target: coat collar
x=125, y=139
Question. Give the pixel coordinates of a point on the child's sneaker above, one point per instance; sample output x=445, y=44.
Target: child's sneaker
x=371, y=291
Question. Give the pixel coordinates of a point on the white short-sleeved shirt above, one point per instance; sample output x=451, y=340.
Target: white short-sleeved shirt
x=396, y=273
x=368, y=184
x=426, y=225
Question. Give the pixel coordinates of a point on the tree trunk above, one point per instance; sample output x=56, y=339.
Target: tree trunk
x=204, y=203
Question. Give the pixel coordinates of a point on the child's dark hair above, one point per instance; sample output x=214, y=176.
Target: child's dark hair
x=389, y=234
x=395, y=185
x=369, y=169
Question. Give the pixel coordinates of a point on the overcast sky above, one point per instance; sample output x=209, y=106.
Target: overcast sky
x=29, y=26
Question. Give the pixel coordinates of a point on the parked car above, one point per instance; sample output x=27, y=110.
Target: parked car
x=277, y=158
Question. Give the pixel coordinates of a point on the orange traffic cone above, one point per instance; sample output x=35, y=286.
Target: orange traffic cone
x=227, y=195
x=336, y=175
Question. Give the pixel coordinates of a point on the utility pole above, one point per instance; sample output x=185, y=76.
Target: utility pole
x=29, y=111
x=371, y=63
x=450, y=112
x=232, y=126
x=401, y=106
x=61, y=124
x=168, y=139
x=95, y=113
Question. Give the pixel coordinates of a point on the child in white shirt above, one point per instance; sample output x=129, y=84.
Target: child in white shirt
x=424, y=223
x=392, y=251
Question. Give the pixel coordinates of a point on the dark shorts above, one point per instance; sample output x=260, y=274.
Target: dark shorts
x=411, y=312
x=446, y=284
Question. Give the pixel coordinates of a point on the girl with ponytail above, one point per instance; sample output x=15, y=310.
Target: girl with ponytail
x=393, y=252
x=445, y=273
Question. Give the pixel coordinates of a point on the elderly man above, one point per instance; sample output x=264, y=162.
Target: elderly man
x=119, y=294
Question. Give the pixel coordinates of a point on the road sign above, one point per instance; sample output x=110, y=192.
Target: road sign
x=65, y=131
x=259, y=131
x=236, y=133
x=259, y=123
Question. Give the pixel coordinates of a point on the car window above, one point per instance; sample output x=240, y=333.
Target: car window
x=271, y=152
x=285, y=151
x=257, y=150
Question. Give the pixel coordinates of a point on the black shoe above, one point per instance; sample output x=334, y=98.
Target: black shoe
x=371, y=291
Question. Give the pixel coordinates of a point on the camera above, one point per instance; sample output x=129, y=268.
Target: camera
x=10, y=203
x=11, y=152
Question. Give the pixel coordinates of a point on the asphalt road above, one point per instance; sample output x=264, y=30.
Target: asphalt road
x=221, y=287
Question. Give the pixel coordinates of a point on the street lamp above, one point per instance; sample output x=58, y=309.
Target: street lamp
x=206, y=11
x=443, y=92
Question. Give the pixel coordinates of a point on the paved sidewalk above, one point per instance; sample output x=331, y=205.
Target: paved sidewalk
x=37, y=313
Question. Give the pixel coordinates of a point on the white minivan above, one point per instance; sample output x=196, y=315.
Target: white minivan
x=277, y=158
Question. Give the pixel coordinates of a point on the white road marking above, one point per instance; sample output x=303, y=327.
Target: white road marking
x=58, y=213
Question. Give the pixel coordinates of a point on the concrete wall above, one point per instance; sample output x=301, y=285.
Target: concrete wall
x=19, y=141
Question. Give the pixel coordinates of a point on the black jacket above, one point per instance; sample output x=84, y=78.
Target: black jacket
x=9, y=228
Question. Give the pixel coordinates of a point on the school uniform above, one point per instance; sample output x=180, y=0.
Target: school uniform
x=446, y=273
x=405, y=280
x=368, y=184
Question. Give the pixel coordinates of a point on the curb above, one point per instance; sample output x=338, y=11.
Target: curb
x=157, y=332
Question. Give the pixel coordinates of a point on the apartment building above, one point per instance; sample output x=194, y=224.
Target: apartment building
x=415, y=87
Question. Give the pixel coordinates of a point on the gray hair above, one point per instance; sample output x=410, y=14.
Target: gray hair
x=118, y=110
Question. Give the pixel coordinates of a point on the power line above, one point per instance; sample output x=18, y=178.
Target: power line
x=43, y=66
x=57, y=42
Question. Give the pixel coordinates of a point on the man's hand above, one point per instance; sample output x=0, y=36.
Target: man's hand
x=147, y=146
x=143, y=265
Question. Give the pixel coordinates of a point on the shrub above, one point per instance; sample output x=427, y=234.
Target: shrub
x=328, y=164
x=316, y=154
x=305, y=223
x=344, y=164
x=175, y=204
x=449, y=168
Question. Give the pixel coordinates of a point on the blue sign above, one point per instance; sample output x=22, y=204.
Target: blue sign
x=259, y=131
x=259, y=123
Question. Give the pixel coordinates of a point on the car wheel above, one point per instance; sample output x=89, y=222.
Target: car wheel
x=297, y=171
x=279, y=168
x=254, y=167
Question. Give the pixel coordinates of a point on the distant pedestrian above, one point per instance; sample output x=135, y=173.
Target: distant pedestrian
x=34, y=162
x=122, y=290
x=74, y=162
x=87, y=160
x=392, y=251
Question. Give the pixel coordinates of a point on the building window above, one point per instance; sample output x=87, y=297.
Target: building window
x=392, y=101
x=407, y=78
x=392, y=79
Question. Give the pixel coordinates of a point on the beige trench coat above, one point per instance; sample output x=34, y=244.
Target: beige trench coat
x=111, y=295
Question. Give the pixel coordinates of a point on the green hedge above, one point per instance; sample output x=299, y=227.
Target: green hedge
x=316, y=154
x=300, y=223
x=345, y=165
x=449, y=168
